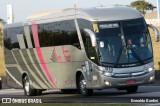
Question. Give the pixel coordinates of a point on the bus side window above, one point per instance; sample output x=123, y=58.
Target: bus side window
x=58, y=33
x=90, y=51
x=7, y=39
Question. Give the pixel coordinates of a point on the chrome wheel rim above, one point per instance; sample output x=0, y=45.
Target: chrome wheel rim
x=83, y=86
x=27, y=87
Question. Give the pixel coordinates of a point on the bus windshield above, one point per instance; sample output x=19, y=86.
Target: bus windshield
x=124, y=42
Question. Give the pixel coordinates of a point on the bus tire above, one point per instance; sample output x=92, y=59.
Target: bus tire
x=82, y=87
x=28, y=91
x=132, y=89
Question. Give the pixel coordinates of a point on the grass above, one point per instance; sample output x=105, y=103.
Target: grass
x=2, y=72
x=156, y=50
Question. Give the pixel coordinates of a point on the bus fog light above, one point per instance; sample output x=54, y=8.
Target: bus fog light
x=107, y=83
x=151, y=78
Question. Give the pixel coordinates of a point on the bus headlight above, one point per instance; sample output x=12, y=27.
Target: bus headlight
x=150, y=69
x=106, y=73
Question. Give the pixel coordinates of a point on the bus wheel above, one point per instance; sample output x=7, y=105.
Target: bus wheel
x=28, y=91
x=132, y=89
x=82, y=87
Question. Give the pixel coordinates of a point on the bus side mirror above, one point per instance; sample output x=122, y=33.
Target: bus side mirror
x=92, y=36
x=156, y=32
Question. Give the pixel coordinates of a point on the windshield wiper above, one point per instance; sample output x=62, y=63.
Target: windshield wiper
x=134, y=53
x=119, y=55
x=136, y=56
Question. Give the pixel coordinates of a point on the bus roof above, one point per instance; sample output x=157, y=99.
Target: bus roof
x=110, y=13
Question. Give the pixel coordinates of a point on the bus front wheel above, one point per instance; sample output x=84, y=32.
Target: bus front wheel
x=82, y=87
x=132, y=89
x=28, y=91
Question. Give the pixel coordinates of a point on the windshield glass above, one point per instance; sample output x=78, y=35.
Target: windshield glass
x=124, y=42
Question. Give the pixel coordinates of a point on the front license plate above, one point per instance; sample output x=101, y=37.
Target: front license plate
x=130, y=82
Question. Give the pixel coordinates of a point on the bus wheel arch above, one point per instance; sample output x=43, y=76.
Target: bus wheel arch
x=78, y=75
x=80, y=78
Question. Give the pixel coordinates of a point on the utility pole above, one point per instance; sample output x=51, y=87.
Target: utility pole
x=75, y=4
x=10, y=16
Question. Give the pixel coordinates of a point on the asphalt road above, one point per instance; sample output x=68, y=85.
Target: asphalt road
x=145, y=94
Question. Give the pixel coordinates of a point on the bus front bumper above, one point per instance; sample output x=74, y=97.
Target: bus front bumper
x=111, y=82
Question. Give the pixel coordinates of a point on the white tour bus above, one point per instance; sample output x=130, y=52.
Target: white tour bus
x=82, y=49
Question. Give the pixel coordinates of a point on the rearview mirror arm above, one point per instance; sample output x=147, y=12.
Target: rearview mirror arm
x=156, y=32
x=92, y=36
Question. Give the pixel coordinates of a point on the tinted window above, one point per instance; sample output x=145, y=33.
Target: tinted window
x=7, y=40
x=124, y=42
x=90, y=51
x=58, y=33
x=11, y=37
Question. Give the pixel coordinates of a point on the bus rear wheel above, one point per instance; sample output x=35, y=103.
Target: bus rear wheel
x=82, y=87
x=28, y=91
x=132, y=89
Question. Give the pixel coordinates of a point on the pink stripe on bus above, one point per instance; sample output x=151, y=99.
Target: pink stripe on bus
x=39, y=52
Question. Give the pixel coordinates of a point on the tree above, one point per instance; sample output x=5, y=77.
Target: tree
x=0, y=39
x=3, y=23
x=142, y=6
x=151, y=7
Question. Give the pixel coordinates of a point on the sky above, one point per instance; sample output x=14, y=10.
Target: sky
x=24, y=8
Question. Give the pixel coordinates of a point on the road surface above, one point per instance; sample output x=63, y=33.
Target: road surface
x=150, y=93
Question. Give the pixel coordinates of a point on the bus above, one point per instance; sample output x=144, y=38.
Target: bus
x=80, y=50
